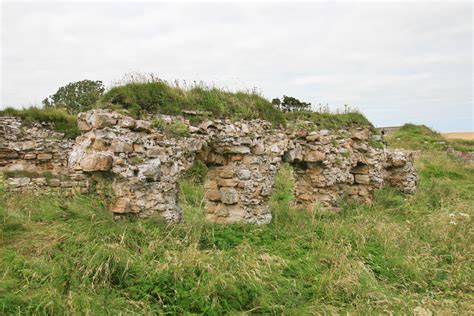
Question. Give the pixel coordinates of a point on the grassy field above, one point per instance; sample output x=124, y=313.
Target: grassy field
x=402, y=254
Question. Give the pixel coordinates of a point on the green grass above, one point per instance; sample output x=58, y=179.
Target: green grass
x=151, y=95
x=321, y=120
x=158, y=96
x=61, y=120
x=420, y=137
x=68, y=256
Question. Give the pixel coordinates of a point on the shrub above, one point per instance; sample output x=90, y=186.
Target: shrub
x=77, y=96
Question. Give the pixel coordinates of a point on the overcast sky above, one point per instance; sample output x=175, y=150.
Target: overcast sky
x=396, y=62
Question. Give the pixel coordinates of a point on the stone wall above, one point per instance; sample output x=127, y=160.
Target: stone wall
x=242, y=157
x=33, y=157
x=144, y=164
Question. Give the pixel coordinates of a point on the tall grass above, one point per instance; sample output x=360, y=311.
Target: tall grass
x=155, y=95
x=400, y=254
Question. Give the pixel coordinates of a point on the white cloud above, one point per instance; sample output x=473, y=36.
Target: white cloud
x=396, y=62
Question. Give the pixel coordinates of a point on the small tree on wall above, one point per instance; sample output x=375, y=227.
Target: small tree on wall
x=76, y=96
x=290, y=104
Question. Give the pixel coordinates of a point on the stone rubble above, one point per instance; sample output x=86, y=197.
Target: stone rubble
x=242, y=157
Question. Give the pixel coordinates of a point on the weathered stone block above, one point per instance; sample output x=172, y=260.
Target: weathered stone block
x=229, y=195
x=96, y=162
x=362, y=178
x=119, y=146
x=314, y=155
x=244, y=174
x=212, y=195
x=44, y=156
x=226, y=173
x=227, y=182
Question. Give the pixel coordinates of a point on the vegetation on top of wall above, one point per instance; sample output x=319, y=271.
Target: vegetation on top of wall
x=61, y=121
x=420, y=137
x=158, y=96
x=325, y=120
x=152, y=95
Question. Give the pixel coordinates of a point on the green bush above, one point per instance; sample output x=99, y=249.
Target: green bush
x=62, y=121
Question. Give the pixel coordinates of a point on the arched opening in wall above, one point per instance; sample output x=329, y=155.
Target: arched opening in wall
x=197, y=185
x=282, y=199
x=191, y=191
x=310, y=184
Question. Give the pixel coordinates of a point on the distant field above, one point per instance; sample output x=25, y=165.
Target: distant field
x=459, y=135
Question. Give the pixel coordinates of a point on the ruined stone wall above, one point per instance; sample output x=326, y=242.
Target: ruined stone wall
x=33, y=157
x=144, y=164
x=242, y=157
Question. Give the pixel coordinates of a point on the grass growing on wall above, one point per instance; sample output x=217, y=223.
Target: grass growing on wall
x=61, y=120
x=68, y=256
x=158, y=96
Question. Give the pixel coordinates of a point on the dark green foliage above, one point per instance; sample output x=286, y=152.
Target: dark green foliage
x=60, y=119
x=77, y=96
x=291, y=104
x=197, y=173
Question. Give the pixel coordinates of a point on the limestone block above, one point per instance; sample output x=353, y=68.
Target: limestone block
x=119, y=146
x=229, y=195
x=244, y=174
x=150, y=171
x=362, y=178
x=314, y=156
x=227, y=182
x=121, y=205
x=96, y=162
x=361, y=135
x=127, y=122
x=226, y=173
x=44, y=156
x=141, y=125
x=213, y=195
x=237, y=150
x=99, y=119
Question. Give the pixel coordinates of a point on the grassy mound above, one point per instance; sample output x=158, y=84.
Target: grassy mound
x=158, y=96
x=420, y=137
x=61, y=120
x=403, y=253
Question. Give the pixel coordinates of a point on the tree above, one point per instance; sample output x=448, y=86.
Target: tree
x=76, y=96
x=290, y=104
